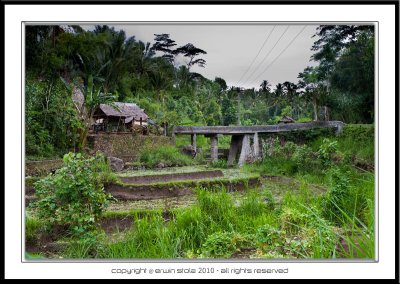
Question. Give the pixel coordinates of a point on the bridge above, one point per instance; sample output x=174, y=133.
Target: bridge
x=245, y=138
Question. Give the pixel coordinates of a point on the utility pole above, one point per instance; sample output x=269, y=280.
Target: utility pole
x=238, y=107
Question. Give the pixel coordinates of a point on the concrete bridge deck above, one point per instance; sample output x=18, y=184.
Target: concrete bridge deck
x=241, y=130
x=245, y=138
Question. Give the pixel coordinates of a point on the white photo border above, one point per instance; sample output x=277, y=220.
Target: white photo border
x=16, y=16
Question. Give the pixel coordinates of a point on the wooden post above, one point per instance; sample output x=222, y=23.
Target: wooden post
x=246, y=149
x=236, y=141
x=193, y=141
x=165, y=128
x=214, y=148
x=119, y=120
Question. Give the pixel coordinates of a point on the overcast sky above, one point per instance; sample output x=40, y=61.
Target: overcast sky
x=232, y=48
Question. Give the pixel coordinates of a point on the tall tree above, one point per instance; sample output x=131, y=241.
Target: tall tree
x=164, y=44
x=221, y=94
x=310, y=80
x=190, y=51
x=265, y=86
x=354, y=73
x=331, y=51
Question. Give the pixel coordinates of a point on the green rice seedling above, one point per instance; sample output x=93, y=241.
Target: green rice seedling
x=217, y=207
x=190, y=227
x=149, y=238
x=79, y=249
x=252, y=204
x=33, y=227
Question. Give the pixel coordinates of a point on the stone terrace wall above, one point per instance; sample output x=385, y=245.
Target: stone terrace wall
x=41, y=168
x=126, y=146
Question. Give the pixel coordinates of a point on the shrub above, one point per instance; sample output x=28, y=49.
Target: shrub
x=338, y=196
x=168, y=155
x=292, y=219
x=268, y=237
x=303, y=158
x=224, y=244
x=270, y=147
x=74, y=195
x=219, y=245
x=325, y=151
x=289, y=149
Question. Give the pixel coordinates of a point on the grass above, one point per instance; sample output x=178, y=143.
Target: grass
x=33, y=228
x=221, y=225
x=168, y=156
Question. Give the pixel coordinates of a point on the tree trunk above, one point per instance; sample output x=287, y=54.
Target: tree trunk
x=83, y=138
x=315, y=107
x=84, y=133
x=327, y=113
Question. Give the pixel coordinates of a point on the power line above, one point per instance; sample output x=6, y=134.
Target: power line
x=251, y=64
x=265, y=57
x=276, y=58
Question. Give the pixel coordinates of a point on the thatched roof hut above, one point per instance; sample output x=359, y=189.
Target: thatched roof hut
x=286, y=119
x=121, y=116
x=127, y=111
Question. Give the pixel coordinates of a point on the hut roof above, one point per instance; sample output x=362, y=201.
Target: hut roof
x=286, y=119
x=125, y=110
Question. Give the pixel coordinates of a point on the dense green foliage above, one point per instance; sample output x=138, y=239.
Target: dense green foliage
x=343, y=81
x=51, y=122
x=74, y=195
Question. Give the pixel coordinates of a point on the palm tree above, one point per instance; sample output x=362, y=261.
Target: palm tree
x=265, y=86
x=313, y=88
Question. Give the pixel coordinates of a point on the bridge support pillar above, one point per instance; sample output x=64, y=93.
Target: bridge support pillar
x=236, y=142
x=214, y=148
x=245, y=151
x=339, y=129
x=256, y=147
